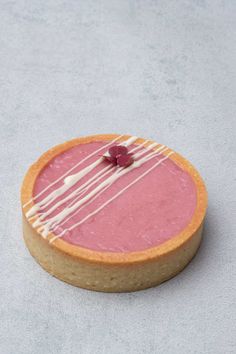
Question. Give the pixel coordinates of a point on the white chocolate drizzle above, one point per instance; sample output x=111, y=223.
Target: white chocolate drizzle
x=87, y=185
x=72, y=180
x=85, y=194
x=49, y=224
x=101, y=188
x=72, y=169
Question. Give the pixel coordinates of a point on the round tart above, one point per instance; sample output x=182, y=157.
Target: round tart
x=113, y=213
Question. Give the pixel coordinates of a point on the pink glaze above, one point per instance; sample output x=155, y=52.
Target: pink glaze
x=149, y=213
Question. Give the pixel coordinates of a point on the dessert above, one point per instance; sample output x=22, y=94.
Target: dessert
x=113, y=213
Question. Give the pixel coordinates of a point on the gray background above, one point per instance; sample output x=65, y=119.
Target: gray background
x=164, y=70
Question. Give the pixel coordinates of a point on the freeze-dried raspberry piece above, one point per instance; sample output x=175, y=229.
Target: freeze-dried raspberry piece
x=125, y=160
x=117, y=150
x=111, y=159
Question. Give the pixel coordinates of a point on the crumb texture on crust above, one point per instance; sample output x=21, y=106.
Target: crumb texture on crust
x=106, y=277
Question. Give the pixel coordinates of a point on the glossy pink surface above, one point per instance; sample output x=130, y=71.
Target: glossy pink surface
x=149, y=213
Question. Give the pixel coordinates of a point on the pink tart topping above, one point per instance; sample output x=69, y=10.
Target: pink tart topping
x=148, y=213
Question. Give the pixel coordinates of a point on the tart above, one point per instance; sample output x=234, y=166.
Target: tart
x=113, y=213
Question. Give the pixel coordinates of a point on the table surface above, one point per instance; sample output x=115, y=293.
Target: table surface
x=164, y=70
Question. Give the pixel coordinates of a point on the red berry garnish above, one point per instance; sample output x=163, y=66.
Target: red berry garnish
x=117, y=150
x=118, y=155
x=111, y=159
x=125, y=160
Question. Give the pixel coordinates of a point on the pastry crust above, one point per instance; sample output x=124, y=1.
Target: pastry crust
x=108, y=271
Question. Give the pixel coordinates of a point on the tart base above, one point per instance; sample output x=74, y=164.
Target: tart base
x=111, y=271
x=110, y=277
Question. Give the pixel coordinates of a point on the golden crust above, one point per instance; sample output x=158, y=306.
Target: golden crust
x=187, y=240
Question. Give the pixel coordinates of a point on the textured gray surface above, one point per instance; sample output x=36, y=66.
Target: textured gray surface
x=159, y=69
